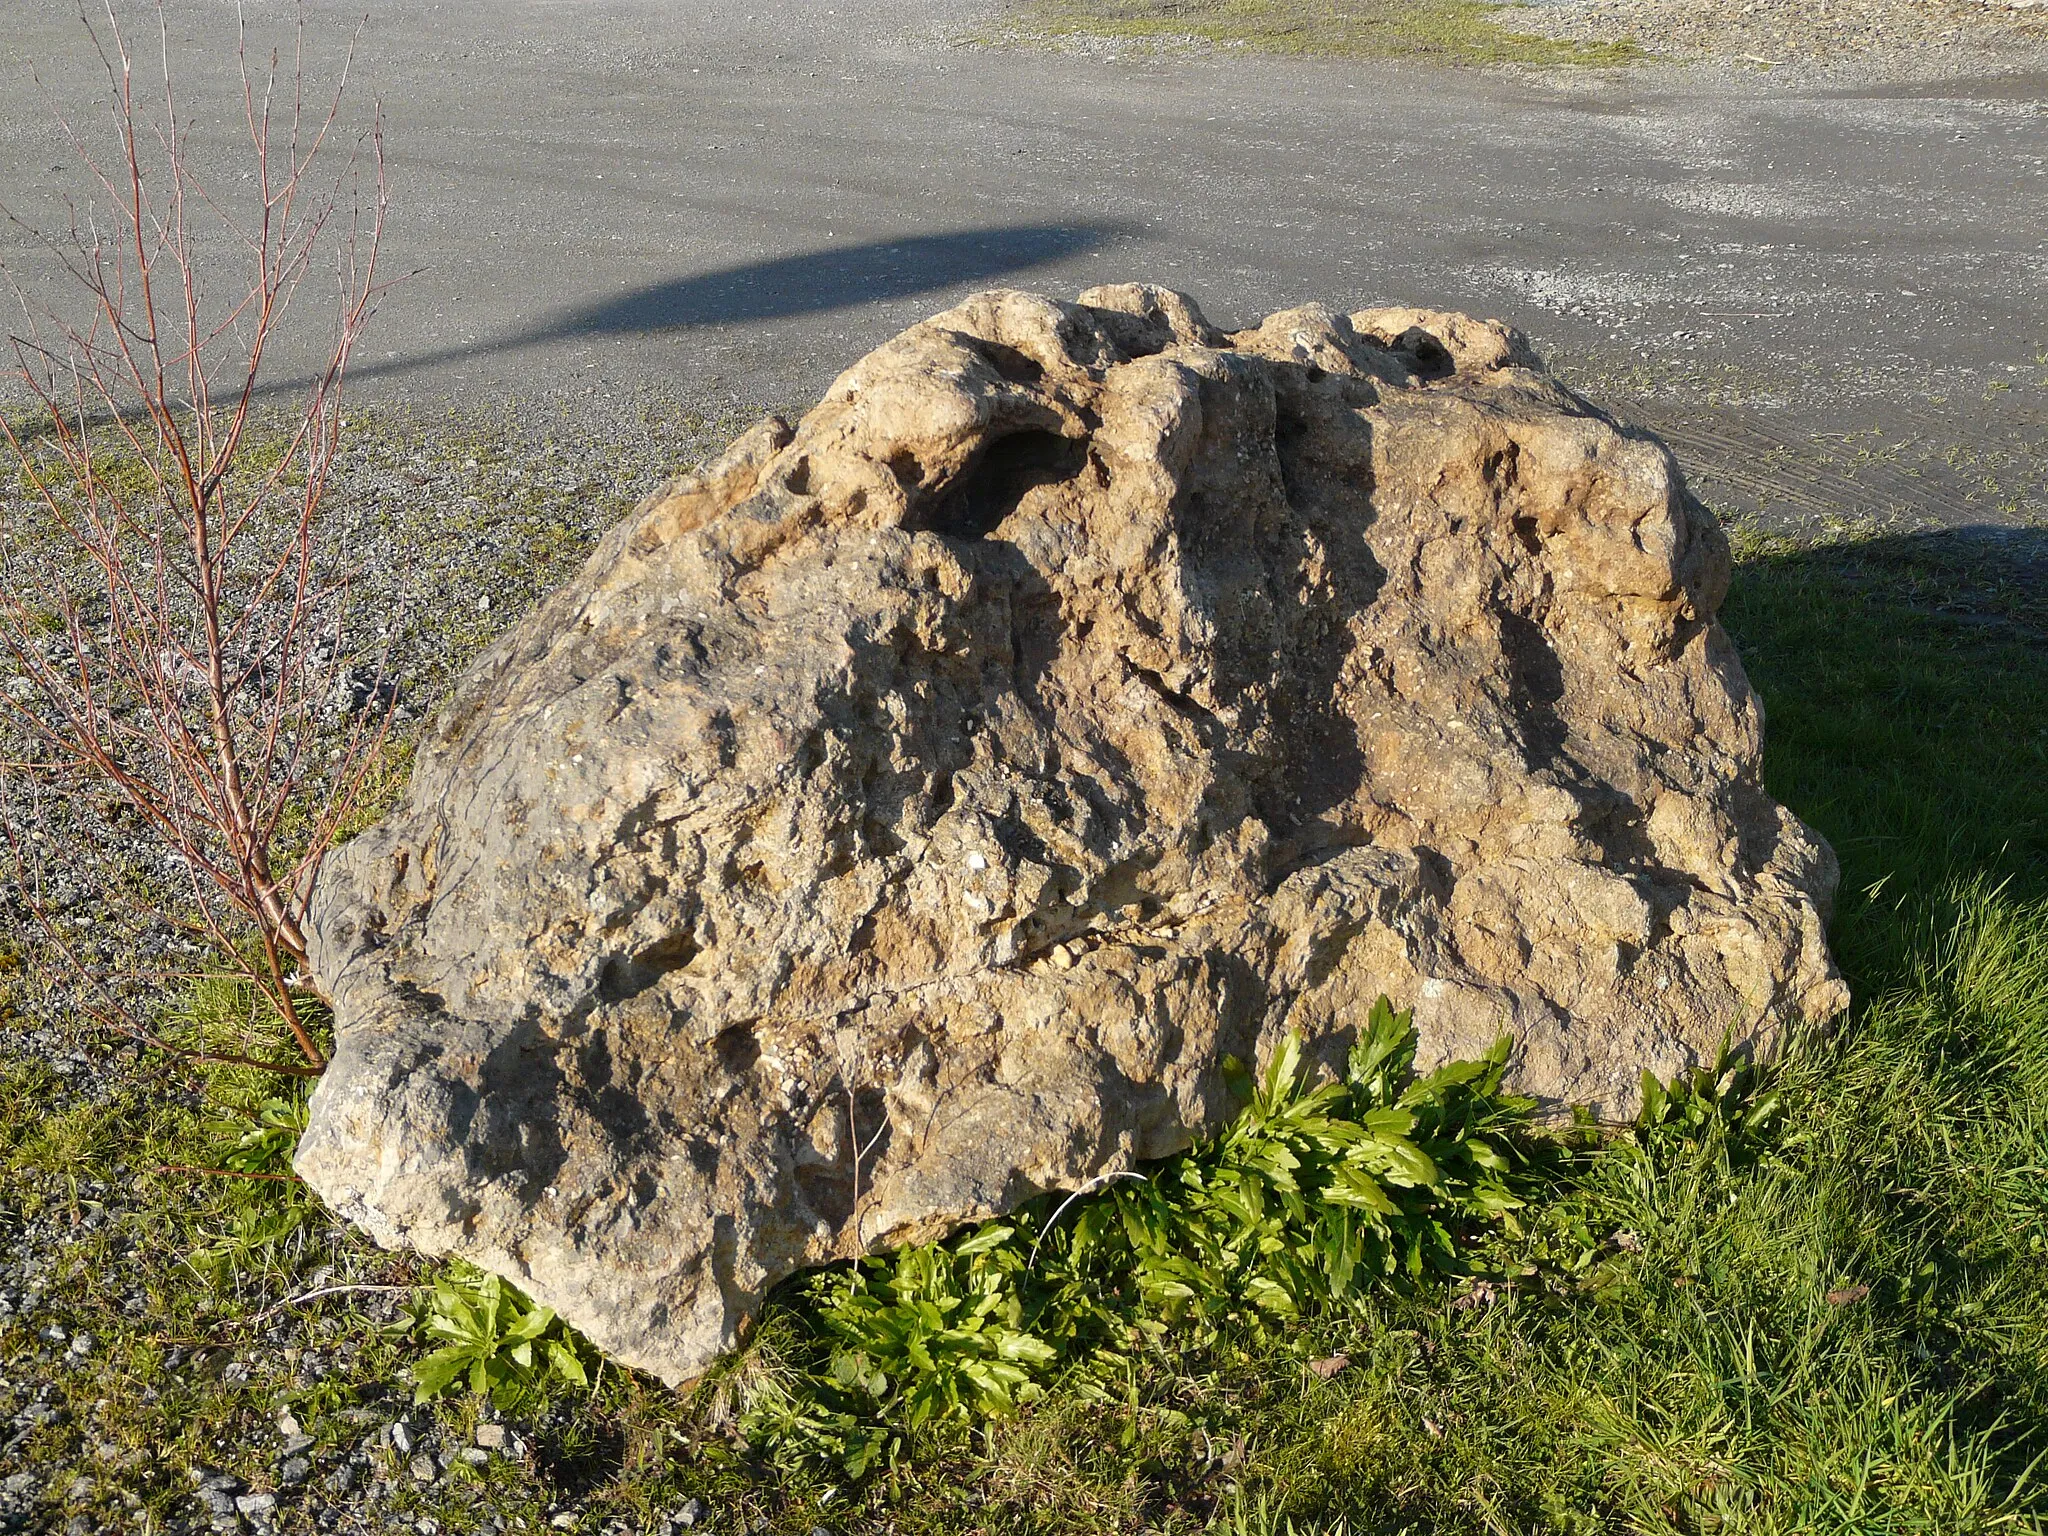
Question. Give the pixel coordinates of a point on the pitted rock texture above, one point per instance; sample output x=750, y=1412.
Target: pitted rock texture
x=906, y=813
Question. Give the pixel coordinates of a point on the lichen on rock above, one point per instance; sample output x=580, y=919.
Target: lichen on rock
x=908, y=812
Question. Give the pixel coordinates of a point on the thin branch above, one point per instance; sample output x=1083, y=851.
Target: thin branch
x=229, y=1173
x=196, y=703
x=1100, y=1181
x=332, y=1290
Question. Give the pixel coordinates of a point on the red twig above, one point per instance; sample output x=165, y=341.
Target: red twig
x=229, y=1173
x=178, y=618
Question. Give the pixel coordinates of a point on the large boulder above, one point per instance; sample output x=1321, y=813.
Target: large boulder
x=907, y=813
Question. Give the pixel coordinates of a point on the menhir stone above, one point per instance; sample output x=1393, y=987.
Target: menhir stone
x=907, y=813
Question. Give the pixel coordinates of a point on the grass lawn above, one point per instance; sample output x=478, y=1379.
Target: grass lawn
x=1444, y=31
x=1818, y=1305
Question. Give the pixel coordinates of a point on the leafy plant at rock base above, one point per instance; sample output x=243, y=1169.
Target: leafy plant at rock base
x=494, y=1339
x=1313, y=1197
x=262, y=1140
x=1315, y=1194
x=1728, y=1100
x=261, y=1237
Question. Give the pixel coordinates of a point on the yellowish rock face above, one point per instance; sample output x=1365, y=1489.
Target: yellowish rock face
x=909, y=811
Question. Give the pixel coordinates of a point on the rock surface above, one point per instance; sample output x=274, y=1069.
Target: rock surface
x=906, y=813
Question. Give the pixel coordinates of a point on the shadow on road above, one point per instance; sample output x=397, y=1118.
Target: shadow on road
x=836, y=278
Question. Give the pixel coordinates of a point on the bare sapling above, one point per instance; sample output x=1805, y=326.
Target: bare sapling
x=172, y=603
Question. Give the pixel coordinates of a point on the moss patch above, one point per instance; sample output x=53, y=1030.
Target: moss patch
x=1440, y=31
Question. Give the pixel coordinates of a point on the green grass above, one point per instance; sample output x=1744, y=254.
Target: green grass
x=1818, y=1303
x=1440, y=31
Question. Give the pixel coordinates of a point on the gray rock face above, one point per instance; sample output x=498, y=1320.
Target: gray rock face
x=905, y=813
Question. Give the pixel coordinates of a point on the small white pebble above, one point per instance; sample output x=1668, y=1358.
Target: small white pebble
x=976, y=861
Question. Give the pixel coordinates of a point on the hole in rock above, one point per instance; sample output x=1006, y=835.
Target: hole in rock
x=1537, y=677
x=627, y=976
x=993, y=486
x=1015, y=366
x=737, y=1049
x=1426, y=355
x=907, y=467
x=1288, y=431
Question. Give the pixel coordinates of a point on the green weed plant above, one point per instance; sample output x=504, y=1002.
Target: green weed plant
x=1312, y=1197
x=495, y=1340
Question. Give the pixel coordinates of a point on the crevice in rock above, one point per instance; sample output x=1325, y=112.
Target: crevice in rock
x=1211, y=730
x=417, y=996
x=908, y=469
x=737, y=1048
x=1614, y=824
x=1535, y=684
x=1289, y=428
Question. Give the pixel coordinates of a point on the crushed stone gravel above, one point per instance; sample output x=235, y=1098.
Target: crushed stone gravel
x=1883, y=38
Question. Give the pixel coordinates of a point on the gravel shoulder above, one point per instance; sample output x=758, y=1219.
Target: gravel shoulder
x=1896, y=39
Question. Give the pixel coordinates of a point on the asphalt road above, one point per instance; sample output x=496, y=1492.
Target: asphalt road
x=1832, y=295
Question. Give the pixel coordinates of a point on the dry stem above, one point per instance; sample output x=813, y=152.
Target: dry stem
x=176, y=621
